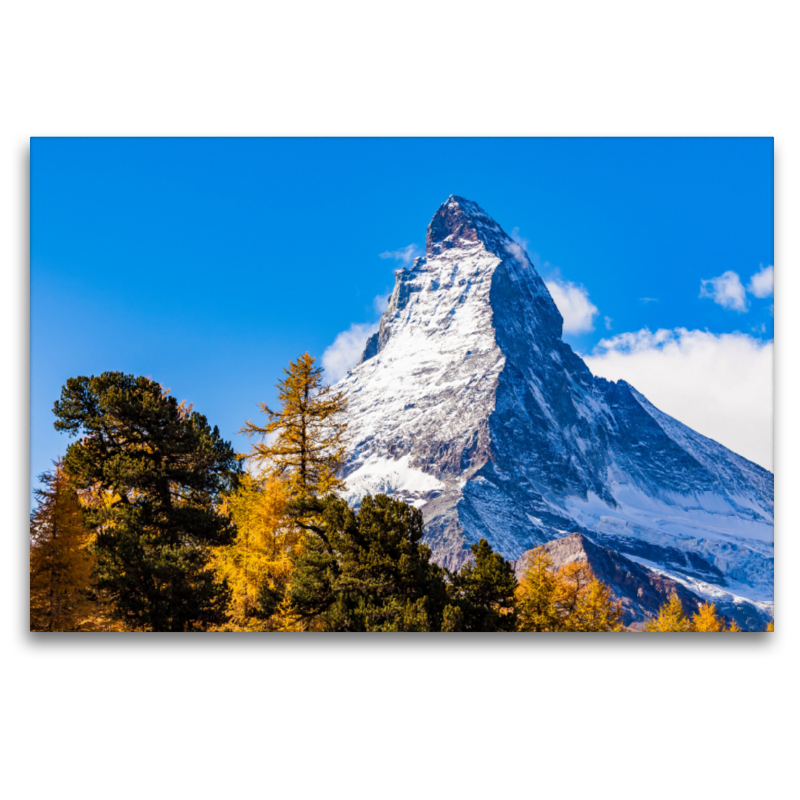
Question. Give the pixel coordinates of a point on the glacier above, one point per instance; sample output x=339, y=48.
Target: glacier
x=468, y=404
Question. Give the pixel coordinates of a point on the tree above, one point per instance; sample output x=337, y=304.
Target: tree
x=706, y=619
x=770, y=627
x=156, y=470
x=671, y=618
x=257, y=566
x=60, y=562
x=366, y=570
x=597, y=610
x=536, y=594
x=568, y=599
x=483, y=591
x=309, y=447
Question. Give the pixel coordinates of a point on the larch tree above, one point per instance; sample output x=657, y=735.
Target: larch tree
x=61, y=564
x=671, y=618
x=309, y=432
x=156, y=470
x=257, y=566
x=706, y=620
x=597, y=610
x=570, y=598
x=536, y=594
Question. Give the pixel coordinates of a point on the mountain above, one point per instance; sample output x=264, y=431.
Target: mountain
x=468, y=404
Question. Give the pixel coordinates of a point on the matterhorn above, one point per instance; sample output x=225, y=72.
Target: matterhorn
x=468, y=404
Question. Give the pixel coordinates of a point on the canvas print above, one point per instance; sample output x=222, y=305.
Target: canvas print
x=402, y=385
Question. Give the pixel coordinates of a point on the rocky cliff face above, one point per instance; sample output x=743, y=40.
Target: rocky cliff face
x=468, y=403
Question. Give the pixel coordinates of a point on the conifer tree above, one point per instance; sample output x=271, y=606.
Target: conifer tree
x=770, y=627
x=60, y=562
x=483, y=590
x=597, y=610
x=156, y=470
x=568, y=599
x=706, y=619
x=733, y=627
x=367, y=570
x=257, y=566
x=670, y=619
x=309, y=446
x=536, y=594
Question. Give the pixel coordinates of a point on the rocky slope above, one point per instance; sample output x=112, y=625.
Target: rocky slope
x=468, y=403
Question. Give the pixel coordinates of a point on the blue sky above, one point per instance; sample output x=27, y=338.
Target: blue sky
x=208, y=263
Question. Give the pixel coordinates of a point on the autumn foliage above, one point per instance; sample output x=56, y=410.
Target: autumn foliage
x=570, y=598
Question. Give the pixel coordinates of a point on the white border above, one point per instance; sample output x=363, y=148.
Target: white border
x=389, y=717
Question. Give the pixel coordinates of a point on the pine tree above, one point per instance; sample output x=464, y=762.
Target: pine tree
x=155, y=470
x=671, y=618
x=536, y=594
x=61, y=592
x=483, y=590
x=706, y=619
x=367, y=570
x=309, y=447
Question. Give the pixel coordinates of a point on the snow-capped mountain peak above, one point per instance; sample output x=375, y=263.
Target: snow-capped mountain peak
x=468, y=403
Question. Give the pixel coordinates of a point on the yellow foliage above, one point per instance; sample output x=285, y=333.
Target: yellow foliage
x=309, y=448
x=706, y=619
x=568, y=599
x=62, y=594
x=670, y=619
x=770, y=627
x=257, y=566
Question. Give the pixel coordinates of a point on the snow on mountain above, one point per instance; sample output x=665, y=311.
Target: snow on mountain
x=468, y=403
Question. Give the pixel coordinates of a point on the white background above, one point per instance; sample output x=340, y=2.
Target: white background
x=625, y=716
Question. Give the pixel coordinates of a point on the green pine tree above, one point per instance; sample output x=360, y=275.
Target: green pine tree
x=366, y=570
x=156, y=470
x=483, y=591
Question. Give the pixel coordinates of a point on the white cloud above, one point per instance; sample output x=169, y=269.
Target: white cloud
x=381, y=302
x=574, y=304
x=726, y=290
x=346, y=350
x=348, y=346
x=719, y=385
x=608, y=322
x=762, y=284
x=405, y=255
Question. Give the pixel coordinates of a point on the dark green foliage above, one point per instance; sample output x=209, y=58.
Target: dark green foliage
x=366, y=571
x=482, y=593
x=156, y=470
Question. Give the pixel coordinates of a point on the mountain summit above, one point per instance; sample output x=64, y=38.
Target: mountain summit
x=468, y=404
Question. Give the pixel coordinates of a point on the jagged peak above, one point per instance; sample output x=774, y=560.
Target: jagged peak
x=459, y=220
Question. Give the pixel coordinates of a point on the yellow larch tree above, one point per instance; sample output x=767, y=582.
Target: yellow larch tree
x=706, y=619
x=597, y=610
x=61, y=564
x=568, y=599
x=309, y=431
x=536, y=610
x=670, y=619
x=257, y=565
